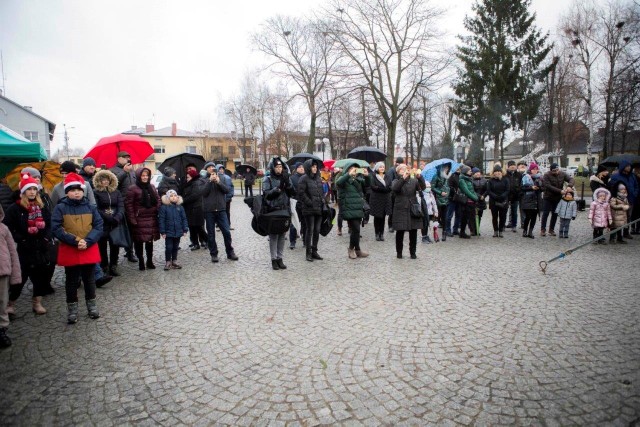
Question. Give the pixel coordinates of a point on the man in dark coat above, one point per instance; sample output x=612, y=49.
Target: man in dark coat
x=191, y=192
x=552, y=188
x=215, y=211
x=88, y=170
x=298, y=173
x=311, y=199
x=249, y=181
x=123, y=170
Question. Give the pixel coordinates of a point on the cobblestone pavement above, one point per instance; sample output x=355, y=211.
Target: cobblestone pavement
x=470, y=333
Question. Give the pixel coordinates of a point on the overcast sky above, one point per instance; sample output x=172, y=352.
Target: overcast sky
x=102, y=66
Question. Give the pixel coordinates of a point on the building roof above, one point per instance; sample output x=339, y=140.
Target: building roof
x=179, y=133
x=52, y=126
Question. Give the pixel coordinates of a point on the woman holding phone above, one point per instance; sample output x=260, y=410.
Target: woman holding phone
x=351, y=186
x=405, y=188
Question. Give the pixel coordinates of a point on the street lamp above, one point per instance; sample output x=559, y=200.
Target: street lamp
x=66, y=138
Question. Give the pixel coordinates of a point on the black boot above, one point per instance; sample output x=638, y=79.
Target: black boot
x=149, y=252
x=281, y=264
x=274, y=264
x=309, y=256
x=315, y=254
x=5, y=341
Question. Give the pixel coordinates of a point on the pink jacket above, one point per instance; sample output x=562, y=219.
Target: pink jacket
x=9, y=262
x=600, y=212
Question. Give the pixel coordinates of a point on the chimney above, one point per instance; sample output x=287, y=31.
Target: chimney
x=149, y=128
x=174, y=129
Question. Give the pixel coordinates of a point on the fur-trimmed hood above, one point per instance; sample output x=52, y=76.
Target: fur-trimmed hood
x=166, y=201
x=97, y=181
x=602, y=190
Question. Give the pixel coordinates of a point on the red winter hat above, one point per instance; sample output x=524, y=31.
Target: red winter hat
x=73, y=181
x=27, y=182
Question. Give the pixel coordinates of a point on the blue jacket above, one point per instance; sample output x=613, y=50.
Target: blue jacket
x=629, y=181
x=227, y=180
x=172, y=218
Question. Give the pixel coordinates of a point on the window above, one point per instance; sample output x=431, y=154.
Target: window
x=232, y=150
x=31, y=135
x=191, y=149
x=158, y=149
x=576, y=159
x=216, y=152
x=158, y=165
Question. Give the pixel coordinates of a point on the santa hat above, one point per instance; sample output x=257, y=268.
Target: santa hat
x=73, y=181
x=27, y=182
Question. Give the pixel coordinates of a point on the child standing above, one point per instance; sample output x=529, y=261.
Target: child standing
x=619, y=207
x=78, y=226
x=600, y=213
x=566, y=211
x=173, y=225
x=432, y=212
x=9, y=275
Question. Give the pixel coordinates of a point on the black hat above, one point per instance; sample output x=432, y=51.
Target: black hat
x=168, y=171
x=554, y=166
x=601, y=168
x=522, y=162
x=68, y=166
x=511, y=163
x=497, y=168
x=400, y=160
x=88, y=162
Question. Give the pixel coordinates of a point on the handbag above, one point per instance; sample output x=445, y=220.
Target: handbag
x=416, y=210
x=460, y=197
x=120, y=236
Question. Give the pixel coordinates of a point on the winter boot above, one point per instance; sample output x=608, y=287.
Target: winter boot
x=352, y=253
x=5, y=341
x=175, y=265
x=113, y=271
x=315, y=254
x=11, y=308
x=500, y=234
x=141, y=266
x=382, y=237
x=339, y=231
x=377, y=237
x=195, y=247
x=72, y=313
x=361, y=254
x=274, y=264
x=309, y=257
x=92, y=308
x=150, y=264
x=37, y=306
x=495, y=233
x=281, y=264
x=167, y=266
x=149, y=252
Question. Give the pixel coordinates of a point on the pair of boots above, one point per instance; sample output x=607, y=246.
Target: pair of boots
x=380, y=237
x=278, y=264
x=141, y=264
x=528, y=234
x=72, y=311
x=312, y=253
x=171, y=265
x=36, y=306
x=496, y=234
x=357, y=253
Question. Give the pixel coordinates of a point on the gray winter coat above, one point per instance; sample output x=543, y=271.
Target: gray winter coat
x=406, y=191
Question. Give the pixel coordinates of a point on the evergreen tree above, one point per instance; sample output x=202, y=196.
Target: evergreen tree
x=498, y=83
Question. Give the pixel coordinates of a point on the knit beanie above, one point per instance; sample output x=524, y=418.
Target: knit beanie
x=475, y=170
x=27, y=182
x=464, y=169
x=73, y=181
x=88, y=161
x=69, y=167
x=497, y=168
x=35, y=173
x=169, y=171
x=378, y=166
x=532, y=166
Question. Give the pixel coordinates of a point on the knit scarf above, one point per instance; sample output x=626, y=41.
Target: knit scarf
x=35, y=221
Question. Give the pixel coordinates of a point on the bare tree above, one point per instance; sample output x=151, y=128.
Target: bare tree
x=240, y=110
x=393, y=47
x=301, y=53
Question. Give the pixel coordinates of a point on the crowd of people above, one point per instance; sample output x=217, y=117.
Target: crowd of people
x=84, y=221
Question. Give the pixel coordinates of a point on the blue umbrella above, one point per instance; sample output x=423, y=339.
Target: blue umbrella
x=429, y=170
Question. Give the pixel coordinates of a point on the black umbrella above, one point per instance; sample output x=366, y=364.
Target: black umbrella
x=180, y=161
x=302, y=157
x=245, y=169
x=612, y=161
x=368, y=154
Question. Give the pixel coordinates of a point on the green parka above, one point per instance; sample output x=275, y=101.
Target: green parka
x=466, y=186
x=351, y=194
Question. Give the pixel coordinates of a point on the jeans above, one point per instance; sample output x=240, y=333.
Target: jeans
x=276, y=245
x=72, y=282
x=453, y=208
x=564, y=226
x=549, y=206
x=171, y=245
x=219, y=218
x=312, y=233
x=513, y=213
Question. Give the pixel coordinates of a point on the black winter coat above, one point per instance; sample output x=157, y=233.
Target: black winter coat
x=454, y=183
x=380, y=197
x=531, y=199
x=310, y=193
x=277, y=190
x=33, y=249
x=405, y=191
x=7, y=196
x=192, y=201
x=110, y=200
x=480, y=187
x=214, y=195
x=515, y=179
x=167, y=184
x=498, y=191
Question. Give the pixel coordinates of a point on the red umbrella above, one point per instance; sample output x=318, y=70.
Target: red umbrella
x=107, y=149
x=328, y=163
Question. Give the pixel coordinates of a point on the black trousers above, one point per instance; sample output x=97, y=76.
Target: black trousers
x=354, y=237
x=197, y=234
x=378, y=224
x=312, y=232
x=499, y=217
x=597, y=232
x=148, y=247
x=413, y=241
x=39, y=276
x=72, y=281
x=112, y=258
x=467, y=218
x=530, y=217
